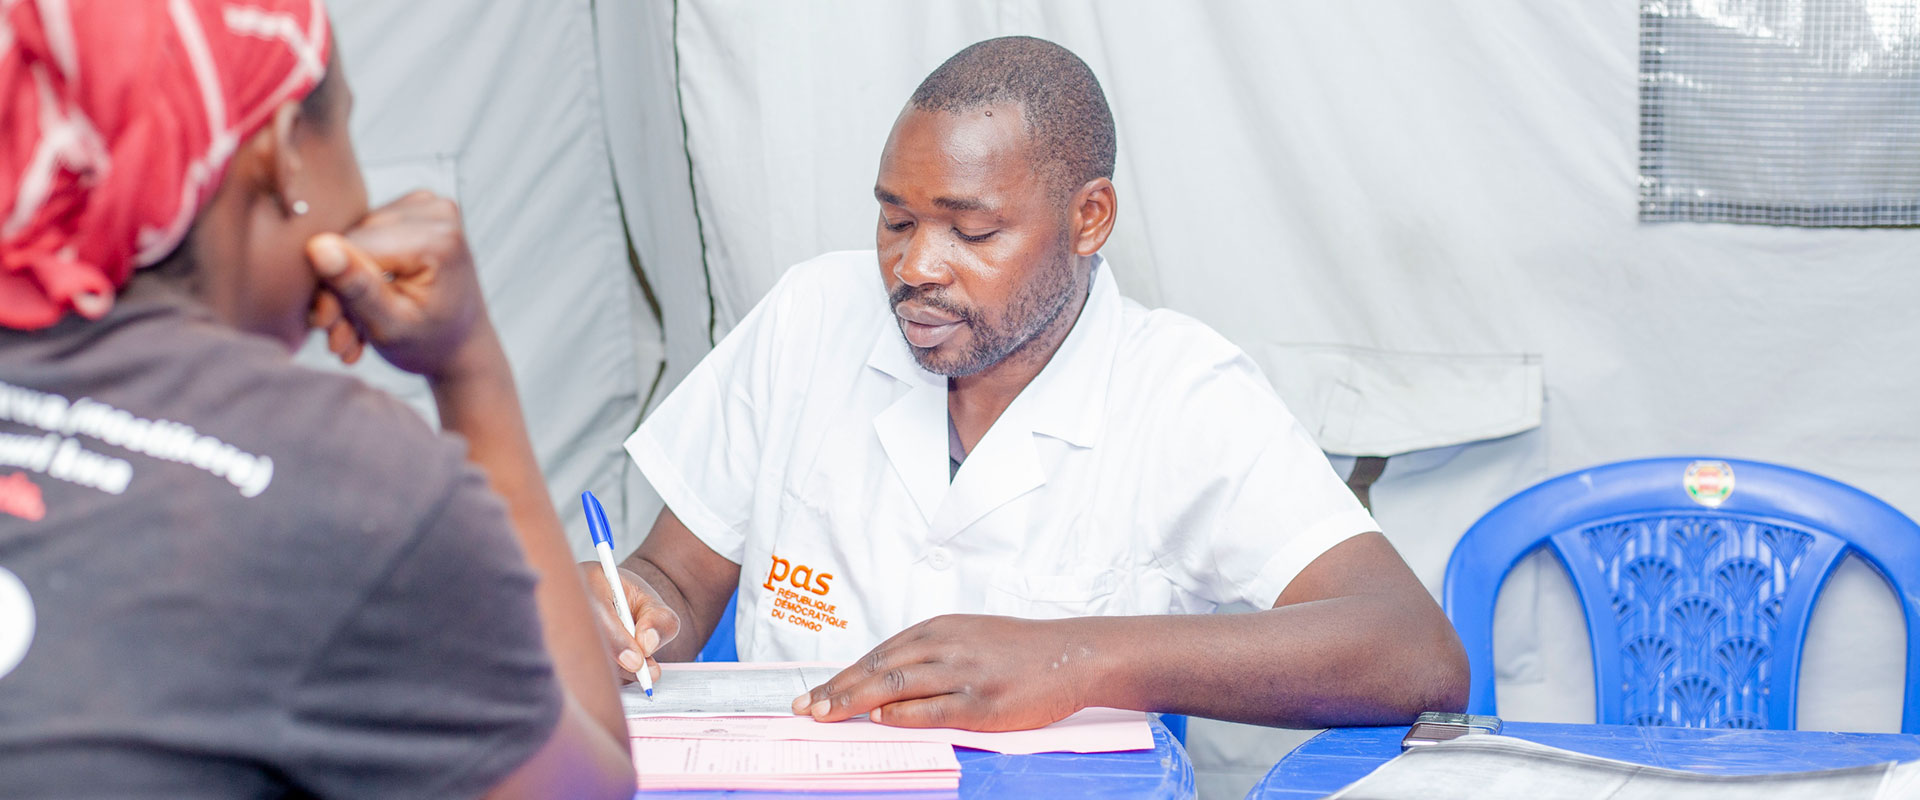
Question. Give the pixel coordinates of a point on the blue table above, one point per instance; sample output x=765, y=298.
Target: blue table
x=1341, y=756
x=1163, y=772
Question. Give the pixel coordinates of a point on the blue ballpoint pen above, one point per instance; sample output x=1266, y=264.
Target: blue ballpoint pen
x=603, y=546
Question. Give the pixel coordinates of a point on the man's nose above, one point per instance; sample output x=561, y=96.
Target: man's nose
x=922, y=264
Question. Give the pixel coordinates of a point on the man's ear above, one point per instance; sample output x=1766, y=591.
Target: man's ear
x=1091, y=213
x=277, y=160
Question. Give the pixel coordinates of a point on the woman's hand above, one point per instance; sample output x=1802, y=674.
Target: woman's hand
x=403, y=281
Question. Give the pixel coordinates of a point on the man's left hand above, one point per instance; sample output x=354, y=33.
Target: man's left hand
x=962, y=671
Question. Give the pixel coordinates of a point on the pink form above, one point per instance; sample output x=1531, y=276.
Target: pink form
x=671, y=764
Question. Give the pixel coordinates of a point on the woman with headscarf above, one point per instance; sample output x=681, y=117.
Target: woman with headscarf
x=221, y=574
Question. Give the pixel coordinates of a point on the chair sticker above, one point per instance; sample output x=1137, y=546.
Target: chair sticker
x=1709, y=483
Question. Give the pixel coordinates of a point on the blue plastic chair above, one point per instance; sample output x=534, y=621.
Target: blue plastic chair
x=1176, y=725
x=1696, y=601
x=721, y=647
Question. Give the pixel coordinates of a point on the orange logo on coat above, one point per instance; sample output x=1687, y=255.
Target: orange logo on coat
x=786, y=580
x=798, y=576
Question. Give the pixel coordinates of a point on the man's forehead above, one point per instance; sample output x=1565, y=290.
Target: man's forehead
x=954, y=159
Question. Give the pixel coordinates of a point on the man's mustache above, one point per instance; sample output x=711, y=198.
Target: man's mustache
x=931, y=297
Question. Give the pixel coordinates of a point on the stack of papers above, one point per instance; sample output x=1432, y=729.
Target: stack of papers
x=732, y=726
x=1094, y=730
x=711, y=764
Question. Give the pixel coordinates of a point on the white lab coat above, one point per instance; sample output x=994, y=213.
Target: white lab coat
x=1148, y=469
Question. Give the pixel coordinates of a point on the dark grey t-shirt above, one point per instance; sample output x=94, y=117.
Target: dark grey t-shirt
x=247, y=578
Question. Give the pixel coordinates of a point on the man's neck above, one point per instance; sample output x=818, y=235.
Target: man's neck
x=976, y=401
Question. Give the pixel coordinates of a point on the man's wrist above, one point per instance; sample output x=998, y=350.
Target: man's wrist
x=1094, y=663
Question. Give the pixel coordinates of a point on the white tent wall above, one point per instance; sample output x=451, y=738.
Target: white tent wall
x=499, y=106
x=1421, y=218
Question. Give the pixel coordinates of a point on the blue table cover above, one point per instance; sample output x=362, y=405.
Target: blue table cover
x=1341, y=756
x=1163, y=772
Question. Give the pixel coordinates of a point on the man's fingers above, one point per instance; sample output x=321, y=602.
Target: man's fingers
x=655, y=624
x=874, y=661
x=614, y=629
x=626, y=650
x=945, y=711
x=903, y=682
x=596, y=580
x=631, y=662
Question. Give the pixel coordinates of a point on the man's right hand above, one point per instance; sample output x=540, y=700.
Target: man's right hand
x=654, y=624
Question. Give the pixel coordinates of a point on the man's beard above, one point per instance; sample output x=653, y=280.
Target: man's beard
x=1034, y=308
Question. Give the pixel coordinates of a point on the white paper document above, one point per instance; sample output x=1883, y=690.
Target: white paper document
x=730, y=690
x=1500, y=767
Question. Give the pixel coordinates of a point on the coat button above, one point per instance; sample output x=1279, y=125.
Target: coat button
x=940, y=558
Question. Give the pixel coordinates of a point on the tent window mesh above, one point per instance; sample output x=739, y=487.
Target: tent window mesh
x=1780, y=112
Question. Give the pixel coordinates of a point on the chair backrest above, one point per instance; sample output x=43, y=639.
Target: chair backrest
x=1697, y=576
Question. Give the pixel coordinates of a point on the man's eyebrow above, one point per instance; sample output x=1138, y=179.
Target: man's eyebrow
x=961, y=203
x=948, y=203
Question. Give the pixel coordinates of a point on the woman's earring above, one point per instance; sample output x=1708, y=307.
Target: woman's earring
x=299, y=207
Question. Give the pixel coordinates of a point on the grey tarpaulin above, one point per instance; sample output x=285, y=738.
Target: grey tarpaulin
x=1421, y=218
x=499, y=106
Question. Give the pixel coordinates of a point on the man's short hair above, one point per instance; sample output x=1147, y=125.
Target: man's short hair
x=1069, y=126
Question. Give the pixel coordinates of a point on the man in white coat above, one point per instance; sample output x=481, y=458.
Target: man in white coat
x=999, y=489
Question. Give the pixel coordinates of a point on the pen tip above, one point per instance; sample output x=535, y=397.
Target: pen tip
x=649, y=694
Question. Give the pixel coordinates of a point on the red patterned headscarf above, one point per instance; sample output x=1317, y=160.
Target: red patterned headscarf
x=117, y=119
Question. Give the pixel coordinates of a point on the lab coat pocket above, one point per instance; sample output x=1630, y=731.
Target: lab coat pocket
x=1015, y=593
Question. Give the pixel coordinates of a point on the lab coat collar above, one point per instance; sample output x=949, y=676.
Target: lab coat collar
x=1066, y=401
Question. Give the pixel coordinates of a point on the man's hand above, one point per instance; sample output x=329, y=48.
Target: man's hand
x=654, y=624
x=401, y=280
x=963, y=671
